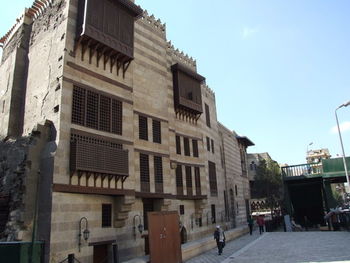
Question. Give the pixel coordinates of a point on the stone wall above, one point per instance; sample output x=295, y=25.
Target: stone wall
x=20, y=162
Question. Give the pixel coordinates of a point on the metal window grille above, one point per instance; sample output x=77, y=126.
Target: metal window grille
x=195, y=148
x=182, y=209
x=78, y=106
x=157, y=134
x=187, y=146
x=143, y=128
x=178, y=145
x=96, y=111
x=212, y=179
x=207, y=115
x=158, y=174
x=105, y=113
x=117, y=117
x=144, y=172
x=208, y=144
x=179, y=180
x=106, y=215
x=92, y=105
x=189, y=180
x=197, y=179
x=212, y=145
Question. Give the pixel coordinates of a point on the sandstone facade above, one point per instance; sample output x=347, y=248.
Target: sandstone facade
x=153, y=132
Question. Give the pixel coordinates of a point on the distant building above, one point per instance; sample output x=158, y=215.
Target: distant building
x=315, y=156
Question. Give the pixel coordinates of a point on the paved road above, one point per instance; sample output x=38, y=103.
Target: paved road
x=281, y=247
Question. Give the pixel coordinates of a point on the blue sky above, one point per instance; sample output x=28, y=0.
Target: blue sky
x=278, y=68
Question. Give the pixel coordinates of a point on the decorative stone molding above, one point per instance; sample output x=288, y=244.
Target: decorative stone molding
x=181, y=56
x=152, y=21
x=208, y=90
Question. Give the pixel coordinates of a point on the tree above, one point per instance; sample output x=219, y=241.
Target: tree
x=268, y=183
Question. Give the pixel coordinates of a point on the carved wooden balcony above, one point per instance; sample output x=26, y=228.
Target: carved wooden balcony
x=106, y=29
x=99, y=159
x=187, y=90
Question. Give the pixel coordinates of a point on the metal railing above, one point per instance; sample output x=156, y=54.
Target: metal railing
x=308, y=169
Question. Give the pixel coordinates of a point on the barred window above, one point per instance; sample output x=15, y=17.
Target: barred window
x=207, y=115
x=96, y=111
x=179, y=182
x=213, y=214
x=195, y=148
x=212, y=179
x=189, y=180
x=178, y=145
x=187, y=146
x=105, y=113
x=157, y=134
x=144, y=172
x=143, y=128
x=197, y=180
x=182, y=209
x=158, y=174
x=106, y=215
x=212, y=145
x=208, y=144
x=92, y=109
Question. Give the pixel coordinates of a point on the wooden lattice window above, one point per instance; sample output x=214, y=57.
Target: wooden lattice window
x=187, y=146
x=207, y=115
x=195, y=148
x=178, y=145
x=212, y=145
x=208, y=144
x=96, y=141
x=179, y=180
x=157, y=133
x=97, y=111
x=144, y=172
x=158, y=174
x=212, y=179
x=197, y=180
x=143, y=128
x=106, y=215
x=189, y=180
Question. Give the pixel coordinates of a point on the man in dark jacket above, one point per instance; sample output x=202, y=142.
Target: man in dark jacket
x=219, y=236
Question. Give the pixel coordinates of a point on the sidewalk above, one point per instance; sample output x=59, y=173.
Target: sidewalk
x=232, y=246
x=283, y=247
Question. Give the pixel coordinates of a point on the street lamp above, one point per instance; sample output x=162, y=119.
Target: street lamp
x=341, y=143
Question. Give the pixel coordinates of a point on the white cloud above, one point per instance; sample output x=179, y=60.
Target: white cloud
x=344, y=127
x=248, y=32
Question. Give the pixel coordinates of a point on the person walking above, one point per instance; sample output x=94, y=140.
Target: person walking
x=261, y=223
x=250, y=224
x=219, y=236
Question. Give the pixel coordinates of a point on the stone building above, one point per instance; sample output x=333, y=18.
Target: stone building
x=130, y=127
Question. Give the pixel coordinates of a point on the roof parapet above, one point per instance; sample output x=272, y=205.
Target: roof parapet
x=155, y=23
x=181, y=57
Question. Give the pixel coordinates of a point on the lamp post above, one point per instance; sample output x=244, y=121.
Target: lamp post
x=341, y=143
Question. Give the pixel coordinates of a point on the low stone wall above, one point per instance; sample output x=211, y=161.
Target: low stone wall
x=194, y=248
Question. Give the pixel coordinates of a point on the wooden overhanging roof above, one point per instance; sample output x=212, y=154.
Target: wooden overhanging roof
x=188, y=71
x=245, y=141
x=134, y=9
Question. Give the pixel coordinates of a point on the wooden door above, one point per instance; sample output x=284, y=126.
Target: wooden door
x=101, y=254
x=164, y=237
